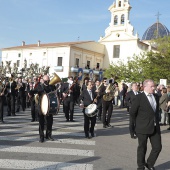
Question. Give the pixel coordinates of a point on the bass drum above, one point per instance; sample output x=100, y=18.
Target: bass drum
x=91, y=110
x=50, y=104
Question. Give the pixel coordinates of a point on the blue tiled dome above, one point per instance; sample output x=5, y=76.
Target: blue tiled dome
x=151, y=32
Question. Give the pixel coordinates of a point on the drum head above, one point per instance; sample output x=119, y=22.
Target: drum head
x=90, y=108
x=44, y=104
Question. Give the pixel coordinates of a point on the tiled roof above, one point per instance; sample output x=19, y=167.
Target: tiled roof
x=46, y=45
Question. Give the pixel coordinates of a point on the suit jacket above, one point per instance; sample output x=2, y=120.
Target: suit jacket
x=130, y=96
x=85, y=96
x=13, y=90
x=143, y=115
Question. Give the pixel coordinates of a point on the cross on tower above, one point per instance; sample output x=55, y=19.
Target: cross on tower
x=158, y=14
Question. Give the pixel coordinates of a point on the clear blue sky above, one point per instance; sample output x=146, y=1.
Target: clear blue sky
x=66, y=20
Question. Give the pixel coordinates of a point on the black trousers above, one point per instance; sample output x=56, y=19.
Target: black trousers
x=45, y=121
x=1, y=108
x=89, y=124
x=107, y=111
x=68, y=107
x=155, y=140
x=34, y=113
x=21, y=101
x=10, y=104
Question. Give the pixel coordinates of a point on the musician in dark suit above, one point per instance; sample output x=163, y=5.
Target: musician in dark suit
x=32, y=85
x=2, y=99
x=145, y=113
x=130, y=97
x=107, y=104
x=68, y=91
x=48, y=119
x=96, y=89
x=88, y=97
x=21, y=94
x=11, y=94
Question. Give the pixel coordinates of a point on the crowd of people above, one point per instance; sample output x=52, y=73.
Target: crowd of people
x=147, y=104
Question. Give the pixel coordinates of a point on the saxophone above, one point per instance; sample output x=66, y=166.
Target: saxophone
x=109, y=96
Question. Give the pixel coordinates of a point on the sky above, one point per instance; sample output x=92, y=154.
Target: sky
x=70, y=20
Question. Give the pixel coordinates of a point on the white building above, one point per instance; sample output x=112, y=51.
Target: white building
x=67, y=58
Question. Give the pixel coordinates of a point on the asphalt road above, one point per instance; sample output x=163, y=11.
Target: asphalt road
x=110, y=149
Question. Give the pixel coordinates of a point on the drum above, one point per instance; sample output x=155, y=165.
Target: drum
x=91, y=110
x=49, y=104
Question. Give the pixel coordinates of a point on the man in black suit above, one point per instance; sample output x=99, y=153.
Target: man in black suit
x=20, y=95
x=88, y=97
x=145, y=113
x=96, y=89
x=68, y=91
x=130, y=96
x=11, y=94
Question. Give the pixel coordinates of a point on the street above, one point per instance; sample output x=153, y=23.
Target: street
x=110, y=149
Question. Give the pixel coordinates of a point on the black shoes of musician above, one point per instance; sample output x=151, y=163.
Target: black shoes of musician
x=87, y=136
x=168, y=128
x=71, y=120
x=17, y=110
x=146, y=165
x=50, y=138
x=104, y=126
x=92, y=135
x=133, y=136
x=9, y=114
x=109, y=126
x=67, y=120
x=33, y=120
x=13, y=114
x=41, y=140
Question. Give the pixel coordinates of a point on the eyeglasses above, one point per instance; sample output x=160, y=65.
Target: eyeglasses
x=105, y=81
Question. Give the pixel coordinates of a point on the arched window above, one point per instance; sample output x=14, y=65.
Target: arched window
x=120, y=4
x=115, y=20
x=123, y=19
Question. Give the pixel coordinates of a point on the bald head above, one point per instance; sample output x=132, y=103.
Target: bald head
x=46, y=78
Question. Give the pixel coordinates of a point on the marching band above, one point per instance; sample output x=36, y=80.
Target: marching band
x=45, y=96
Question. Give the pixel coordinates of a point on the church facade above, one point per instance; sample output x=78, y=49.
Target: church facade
x=87, y=57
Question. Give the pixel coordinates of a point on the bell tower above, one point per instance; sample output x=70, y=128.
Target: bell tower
x=120, y=22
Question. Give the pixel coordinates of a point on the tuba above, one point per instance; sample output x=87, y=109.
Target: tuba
x=56, y=79
x=109, y=96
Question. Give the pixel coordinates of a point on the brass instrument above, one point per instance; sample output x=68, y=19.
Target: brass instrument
x=109, y=95
x=18, y=86
x=56, y=79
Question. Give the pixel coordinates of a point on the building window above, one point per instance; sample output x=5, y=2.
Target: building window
x=30, y=54
x=116, y=51
x=98, y=66
x=19, y=54
x=123, y=19
x=60, y=59
x=18, y=63
x=77, y=62
x=44, y=53
x=119, y=3
x=88, y=64
x=115, y=20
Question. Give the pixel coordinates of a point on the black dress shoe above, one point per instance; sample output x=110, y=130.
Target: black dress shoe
x=72, y=121
x=41, y=140
x=146, y=165
x=67, y=120
x=8, y=114
x=133, y=137
x=32, y=120
x=109, y=125
x=50, y=138
x=104, y=126
x=92, y=134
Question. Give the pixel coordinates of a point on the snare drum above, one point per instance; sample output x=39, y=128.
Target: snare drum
x=49, y=104
x=91, y=110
